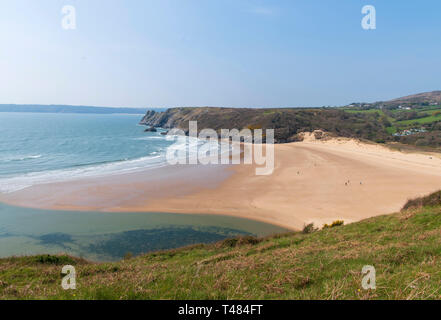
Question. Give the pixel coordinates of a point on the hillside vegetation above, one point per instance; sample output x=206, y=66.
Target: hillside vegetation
x=405, y=249
x=413, y=120
x=287, y=123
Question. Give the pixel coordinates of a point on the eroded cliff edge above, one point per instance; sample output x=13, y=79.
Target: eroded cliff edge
x=287, y=123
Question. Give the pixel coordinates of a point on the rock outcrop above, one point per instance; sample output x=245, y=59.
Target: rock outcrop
x=151, y=129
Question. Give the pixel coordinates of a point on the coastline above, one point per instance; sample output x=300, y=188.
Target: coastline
x=314, y=181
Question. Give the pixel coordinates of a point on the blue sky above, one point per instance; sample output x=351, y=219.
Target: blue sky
x=230, y=53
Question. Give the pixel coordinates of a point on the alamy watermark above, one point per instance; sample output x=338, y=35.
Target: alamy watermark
x=369, y=278
x=69, y=17
x=230, y=147
x=369, y=21
x=69, y=281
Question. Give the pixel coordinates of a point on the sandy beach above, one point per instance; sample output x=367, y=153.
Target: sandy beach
x=313, y=181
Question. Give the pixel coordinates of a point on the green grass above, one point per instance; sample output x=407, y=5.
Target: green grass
x=431, y=108
x=405, y=249
x=367, y=111
x=427, y=113
x=391, y=130
x=425, y=120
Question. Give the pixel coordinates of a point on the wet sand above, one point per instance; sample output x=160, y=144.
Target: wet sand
x=313, y=181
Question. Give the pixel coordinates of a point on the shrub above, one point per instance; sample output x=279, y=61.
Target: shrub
x=233, y=242
x=431, y=200
x=336, y=223
x=51, y=259
x=254, y=127
x=309, y=228
x=229, y=243
x=318, y=135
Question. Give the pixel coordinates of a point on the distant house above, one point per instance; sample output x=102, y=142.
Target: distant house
x=409, y=132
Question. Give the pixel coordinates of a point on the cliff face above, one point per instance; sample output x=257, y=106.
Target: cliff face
x=287, y=123
x=215, y=118
x=171, y=118
x=220, y=118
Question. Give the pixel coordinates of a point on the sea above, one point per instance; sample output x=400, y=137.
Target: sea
x=38, y=148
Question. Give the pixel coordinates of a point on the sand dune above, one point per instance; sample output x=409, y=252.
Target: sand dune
x=313, y=181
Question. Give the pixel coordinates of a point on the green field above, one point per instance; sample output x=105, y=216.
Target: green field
x=420, y=121
x=405, y=249
x=427, y=115
x=391, y=130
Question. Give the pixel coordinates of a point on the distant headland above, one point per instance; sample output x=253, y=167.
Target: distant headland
x=72, y=109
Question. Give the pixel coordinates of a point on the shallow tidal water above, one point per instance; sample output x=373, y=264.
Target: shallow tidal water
x=99, y=236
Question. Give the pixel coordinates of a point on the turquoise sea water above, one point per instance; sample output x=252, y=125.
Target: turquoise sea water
x=41, y=148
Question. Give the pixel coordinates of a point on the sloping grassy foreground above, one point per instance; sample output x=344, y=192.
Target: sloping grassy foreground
x=405, y=249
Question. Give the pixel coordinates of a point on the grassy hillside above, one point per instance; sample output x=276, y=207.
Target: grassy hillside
x=411, y=121
x=424, y=123
x=420, y=98
x=405, y=249
x=287, y=123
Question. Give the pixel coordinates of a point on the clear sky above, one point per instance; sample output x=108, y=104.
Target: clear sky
x=230, y=53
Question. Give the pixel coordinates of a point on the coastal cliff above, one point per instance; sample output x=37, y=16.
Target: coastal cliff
x=413, y=120
x=287, y=123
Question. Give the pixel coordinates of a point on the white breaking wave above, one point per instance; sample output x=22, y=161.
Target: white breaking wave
x=153, y=160
x=20, y=158
x=149, y=138
x=12, y=184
